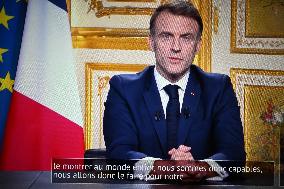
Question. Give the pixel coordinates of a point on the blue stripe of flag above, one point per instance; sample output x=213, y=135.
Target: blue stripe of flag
x=10, y=39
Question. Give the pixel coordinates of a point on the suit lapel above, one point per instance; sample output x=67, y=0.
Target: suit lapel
x=155, y=109
x=190, y=102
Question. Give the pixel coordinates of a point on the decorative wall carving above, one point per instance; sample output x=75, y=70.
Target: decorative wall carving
x=97, y=87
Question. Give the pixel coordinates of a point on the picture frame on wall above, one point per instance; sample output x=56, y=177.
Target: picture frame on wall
x=97, y=76
x=260, y=97
x=256, y=26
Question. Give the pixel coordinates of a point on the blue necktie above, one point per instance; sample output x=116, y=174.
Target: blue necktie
x=172, y=113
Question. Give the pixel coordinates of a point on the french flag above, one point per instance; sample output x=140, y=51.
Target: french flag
x=45, y=118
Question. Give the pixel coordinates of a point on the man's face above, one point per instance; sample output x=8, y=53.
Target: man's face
x=175, y=42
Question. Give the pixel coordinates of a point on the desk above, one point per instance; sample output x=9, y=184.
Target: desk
x=42, y=179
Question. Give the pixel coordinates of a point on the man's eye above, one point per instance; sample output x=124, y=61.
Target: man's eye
x=188, y=38
x=165, y=36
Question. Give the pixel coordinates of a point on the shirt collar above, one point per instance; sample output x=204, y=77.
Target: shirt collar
x=162, y=82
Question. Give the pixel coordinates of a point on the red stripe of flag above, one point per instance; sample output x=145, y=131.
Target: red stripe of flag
x=35, y=134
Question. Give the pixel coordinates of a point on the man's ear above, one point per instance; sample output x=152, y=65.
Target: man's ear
x=151, y=42
x=198, y=46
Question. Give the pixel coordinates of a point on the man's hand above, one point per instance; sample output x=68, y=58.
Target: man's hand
x=163, y=167
x=193, y=171
x=183, y=165
x=187, y=171
x=182, y=153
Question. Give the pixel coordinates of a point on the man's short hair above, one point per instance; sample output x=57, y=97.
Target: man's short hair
x=180, y=8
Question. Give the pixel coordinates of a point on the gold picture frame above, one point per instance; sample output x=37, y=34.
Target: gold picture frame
x=137, y=38
x=97, y=76
x=247, y=36
x=253, y=87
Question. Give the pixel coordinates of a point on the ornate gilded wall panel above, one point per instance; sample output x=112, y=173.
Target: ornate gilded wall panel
x=264, y=18
x=257, y=26
x=97, y=86
x=260, y=94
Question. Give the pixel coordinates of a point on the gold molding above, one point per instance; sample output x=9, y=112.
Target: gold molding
x=107, y=11
x=105, y=38
x=216, y=6
x=122, y=43
x=236, y=71
x=216, y=13
x=137, y=39
x=204, y=56
x=90, y=69
x=235, y=49
x=145, y=1
x=107, y=32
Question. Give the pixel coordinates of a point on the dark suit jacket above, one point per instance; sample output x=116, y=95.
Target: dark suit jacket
x=213, y=128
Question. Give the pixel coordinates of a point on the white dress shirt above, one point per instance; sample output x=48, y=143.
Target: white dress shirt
x=162, y=82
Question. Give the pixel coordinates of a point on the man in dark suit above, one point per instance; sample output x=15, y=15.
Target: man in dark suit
x=173, y=110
